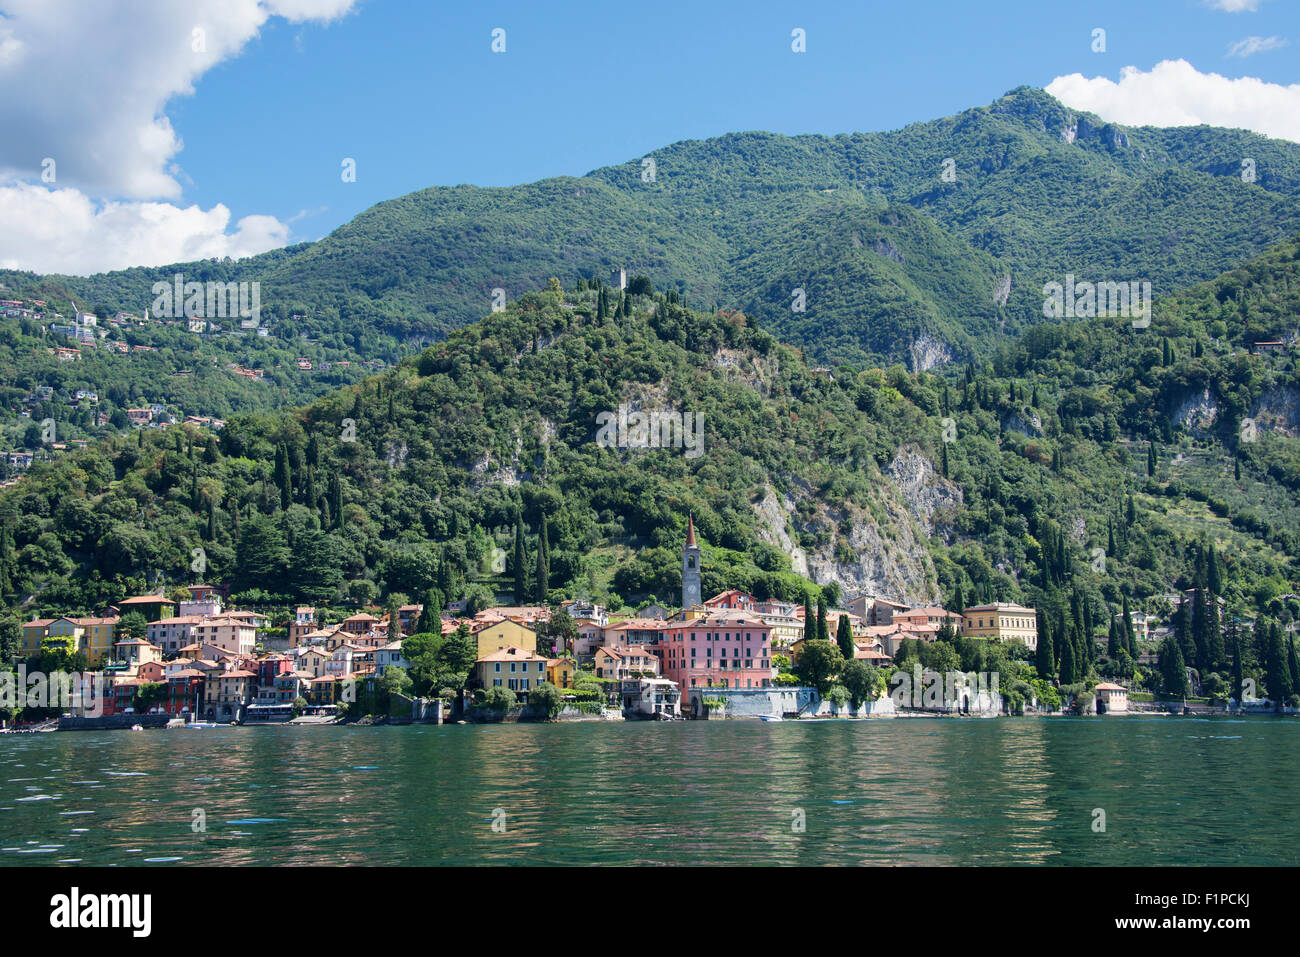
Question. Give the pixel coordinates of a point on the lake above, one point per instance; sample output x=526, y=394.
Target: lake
x=1174, y=791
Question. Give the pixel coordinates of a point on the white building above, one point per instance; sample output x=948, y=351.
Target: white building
x=651, y=698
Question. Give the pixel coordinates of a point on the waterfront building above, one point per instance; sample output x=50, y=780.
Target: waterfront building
x=1111, y=698
x=631, y=662
x=495, y=636
x=726, y=649
x=518, y=669
x=651, y=698
x=1002, y=621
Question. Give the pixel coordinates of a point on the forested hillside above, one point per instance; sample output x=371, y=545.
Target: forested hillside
x=901, y=254
x=1005, y=479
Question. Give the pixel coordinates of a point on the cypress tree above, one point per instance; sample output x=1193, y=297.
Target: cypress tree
x=1183, y=629
x=1237, y=676
x=1292, y=665
x=958, y=600
x=282, y=476
x=1068, y=668
x=1173, y=668
x=1200, y=630
x=809, y=619
x=1214, y=572
x=520, y=562
x=823, y=632
x=1129, y=638
x=431, y=615
x=542, y=583
x=1151, y=460
x=844, y=638
x=1277, y=670
x=1044, y=657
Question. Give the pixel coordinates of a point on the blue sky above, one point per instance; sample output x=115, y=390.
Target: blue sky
x=415, y=95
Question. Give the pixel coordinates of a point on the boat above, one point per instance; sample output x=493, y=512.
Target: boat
x=770, y=717
x=137, y=727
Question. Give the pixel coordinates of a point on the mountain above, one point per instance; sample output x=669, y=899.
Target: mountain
x=1003, y=478
x=895, y=262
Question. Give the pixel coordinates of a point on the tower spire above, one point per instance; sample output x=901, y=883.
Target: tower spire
x=691, y=585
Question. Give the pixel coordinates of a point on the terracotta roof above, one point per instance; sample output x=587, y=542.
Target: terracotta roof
x=513, y=654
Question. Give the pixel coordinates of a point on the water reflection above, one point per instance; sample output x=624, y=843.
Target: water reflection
x=949, y=792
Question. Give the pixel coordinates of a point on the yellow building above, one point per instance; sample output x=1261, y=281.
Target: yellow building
x=1002, y=621
x=98, y=637
x=498, y=635
x=34, y=633
x=94, y=636
x=560, y=672
x=515, y=668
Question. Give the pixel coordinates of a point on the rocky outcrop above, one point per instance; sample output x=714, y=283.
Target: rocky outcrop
x=884, y=247
x=879, y=552
x=925, y=492
x=753, y=371
x=1002, y=291
x=1026, y=422
x=774, y=514
x=1278, y=410
x=929, y=352
x=1197, y=413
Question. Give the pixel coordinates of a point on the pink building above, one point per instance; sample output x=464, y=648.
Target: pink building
x=724, y=649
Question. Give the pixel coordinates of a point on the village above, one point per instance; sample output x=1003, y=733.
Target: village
x=731, y=654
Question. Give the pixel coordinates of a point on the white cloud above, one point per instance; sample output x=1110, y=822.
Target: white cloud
x=1234, y=6
x=87, y=85
x=63, y=230
x=1252, y=45
x=1174, y=93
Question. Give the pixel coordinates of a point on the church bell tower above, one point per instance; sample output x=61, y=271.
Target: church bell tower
x=691, y=568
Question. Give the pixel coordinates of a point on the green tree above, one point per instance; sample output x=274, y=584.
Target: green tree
x=545, y=699
x=819, y=662
x=862, y=681
x=519, y=563
x=543, y=575
x=431, y=614
x=844, y=638
x=1045, y=653
x=1173, y=668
